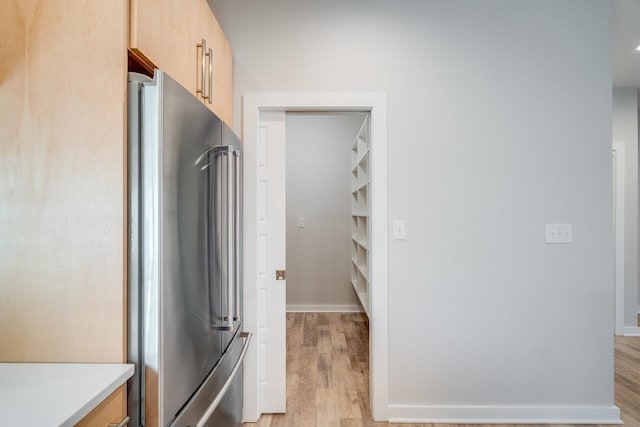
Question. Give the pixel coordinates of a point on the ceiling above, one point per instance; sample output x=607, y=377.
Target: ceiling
x=626, y=37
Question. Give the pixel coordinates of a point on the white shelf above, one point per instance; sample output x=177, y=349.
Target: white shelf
x=361, y=186
x=362, y=158
x=361, y=155
x=360, y=208
x=363, y=297
x=363, y=270
x=362, y=243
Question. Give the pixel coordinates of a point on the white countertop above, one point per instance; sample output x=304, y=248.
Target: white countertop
x=55, y=394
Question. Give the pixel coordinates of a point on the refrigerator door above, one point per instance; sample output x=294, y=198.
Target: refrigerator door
x=180, y=289
x=134, y=346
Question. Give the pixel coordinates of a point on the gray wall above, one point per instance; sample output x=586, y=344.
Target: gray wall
x=319, y=189
x=499, y=121
x=625, y=129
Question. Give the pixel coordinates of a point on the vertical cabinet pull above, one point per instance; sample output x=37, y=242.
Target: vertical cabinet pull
x=204, y=93
x=236, y=221
x=210, y=96
x=203, y=61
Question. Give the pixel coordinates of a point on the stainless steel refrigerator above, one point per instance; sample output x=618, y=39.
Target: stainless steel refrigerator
x=185, y=270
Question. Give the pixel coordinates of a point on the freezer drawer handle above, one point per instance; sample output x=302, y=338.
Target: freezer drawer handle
x=122, y=423
x=214, y=405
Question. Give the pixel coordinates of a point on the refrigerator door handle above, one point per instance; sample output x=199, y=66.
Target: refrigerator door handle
x=211, y=153
x=212, y=407
x=205, y=160
x=231, y=255
x=236, y=220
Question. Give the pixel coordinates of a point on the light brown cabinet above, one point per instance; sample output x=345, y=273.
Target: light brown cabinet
x=168, y=34
x=63, y=82
x=112, y=410
x=63, y=167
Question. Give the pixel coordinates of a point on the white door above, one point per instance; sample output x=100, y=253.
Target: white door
x=271, y=253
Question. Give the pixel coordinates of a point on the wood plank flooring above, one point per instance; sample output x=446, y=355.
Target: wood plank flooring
x=328, y=375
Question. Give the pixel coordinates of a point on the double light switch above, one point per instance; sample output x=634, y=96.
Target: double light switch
x=559, y=233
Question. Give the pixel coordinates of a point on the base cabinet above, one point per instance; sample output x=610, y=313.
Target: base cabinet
x=111, y=412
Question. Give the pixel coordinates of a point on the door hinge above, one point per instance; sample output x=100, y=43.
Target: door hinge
x=281, y=274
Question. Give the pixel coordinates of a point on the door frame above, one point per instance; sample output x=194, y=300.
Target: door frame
x=376, y=105
x=619, y=193
x=619, y=260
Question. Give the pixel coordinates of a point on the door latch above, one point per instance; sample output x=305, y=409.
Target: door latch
x=281, y=274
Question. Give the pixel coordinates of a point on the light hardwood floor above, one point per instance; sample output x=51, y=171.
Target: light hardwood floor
x=328, y=375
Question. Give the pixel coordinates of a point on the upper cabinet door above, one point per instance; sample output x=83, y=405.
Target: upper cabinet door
x=169, y=35
x=161, y=31
x=222, y=70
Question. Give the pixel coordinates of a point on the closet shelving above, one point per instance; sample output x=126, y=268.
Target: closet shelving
x=360, y=210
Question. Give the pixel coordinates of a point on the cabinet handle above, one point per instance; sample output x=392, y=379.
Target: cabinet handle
x=203, y=61
x=210, y=97
x=122, y=423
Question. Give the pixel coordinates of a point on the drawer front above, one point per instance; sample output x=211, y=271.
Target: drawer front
x=112, y=410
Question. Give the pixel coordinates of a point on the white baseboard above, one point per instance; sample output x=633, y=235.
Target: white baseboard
x=631, y=331
x=326, y=308
x=505, y=414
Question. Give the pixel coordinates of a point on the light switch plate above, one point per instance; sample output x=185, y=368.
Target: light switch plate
x=300, y=222
x=399, y=229
x=559, y=233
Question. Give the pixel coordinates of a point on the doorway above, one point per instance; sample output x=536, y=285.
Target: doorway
x=264, y=293
x=322, y=209
x=327, y=334
x=626, y=318
x=617, y=166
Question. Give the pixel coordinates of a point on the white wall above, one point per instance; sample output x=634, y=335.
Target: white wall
x=319, y=189
x=625, y=129
x=499, y=121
